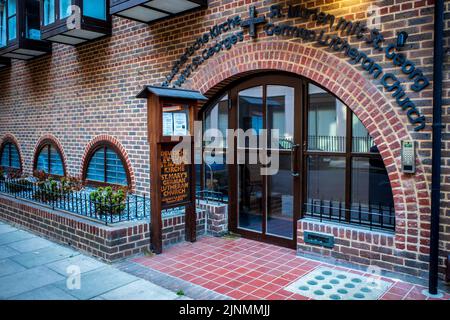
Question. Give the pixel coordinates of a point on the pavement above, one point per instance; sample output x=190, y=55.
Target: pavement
x=33, y=268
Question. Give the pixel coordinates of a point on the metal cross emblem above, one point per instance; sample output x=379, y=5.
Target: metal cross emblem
x=252, y=22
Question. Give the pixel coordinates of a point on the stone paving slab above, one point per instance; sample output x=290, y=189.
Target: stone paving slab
x=4, y=228
x=139, y=290
x=7, y=266
x=20, y=282
x=44, y=256
x=85, y=264
x=98, y=282
x=30, y=244
x=49, y=292
x=9, y=237
x=6, y=252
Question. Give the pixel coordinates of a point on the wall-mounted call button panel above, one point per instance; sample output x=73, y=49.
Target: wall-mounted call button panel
x=408, y=157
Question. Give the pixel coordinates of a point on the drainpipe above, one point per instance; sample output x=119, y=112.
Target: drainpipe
x=436, y=148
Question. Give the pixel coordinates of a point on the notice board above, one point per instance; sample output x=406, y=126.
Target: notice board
x=175, y=177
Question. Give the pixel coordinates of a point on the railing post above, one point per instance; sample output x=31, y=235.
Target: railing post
x=145, y=203
x=136, y=205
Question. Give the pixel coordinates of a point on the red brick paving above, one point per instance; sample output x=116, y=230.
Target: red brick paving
x=249, y=270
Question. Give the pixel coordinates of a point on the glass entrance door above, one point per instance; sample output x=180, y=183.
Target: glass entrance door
x=267, y=206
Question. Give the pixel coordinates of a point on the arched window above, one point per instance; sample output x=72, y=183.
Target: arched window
x=9, y=156
x=105, y=165
x=49, y=159
x=327, y=166
x=216, y=173
x=344, y=167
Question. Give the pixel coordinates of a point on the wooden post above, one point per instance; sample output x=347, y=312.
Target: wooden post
x=154, y=125
x=163, y=171
x=191, y=211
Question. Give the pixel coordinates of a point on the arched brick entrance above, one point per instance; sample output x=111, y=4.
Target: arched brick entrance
x=382, y=119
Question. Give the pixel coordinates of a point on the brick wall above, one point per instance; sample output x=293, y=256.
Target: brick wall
x=360, y=247
x=76, y=94
x=108, y=243
x=174, y=229
x=217, y=217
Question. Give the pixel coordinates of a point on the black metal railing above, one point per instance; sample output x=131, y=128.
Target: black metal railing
x=373, y=216
x=209, y=196
x=108, y=211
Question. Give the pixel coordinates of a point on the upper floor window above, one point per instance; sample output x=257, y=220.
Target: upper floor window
x=95, y=9
x=106, y=166
x=32, y=20
x=2, y=23
x=49, y=159
x=8, y=21
x=64, y=8
x=49, y=12
x=12, y=19
x=9, y=156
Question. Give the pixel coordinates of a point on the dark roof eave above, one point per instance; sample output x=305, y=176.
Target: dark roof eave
x=175, y=93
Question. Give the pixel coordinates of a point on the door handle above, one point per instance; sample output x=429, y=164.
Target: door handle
x=294, y=148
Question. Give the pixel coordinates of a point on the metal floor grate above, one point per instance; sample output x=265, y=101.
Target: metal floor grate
x=329, y=284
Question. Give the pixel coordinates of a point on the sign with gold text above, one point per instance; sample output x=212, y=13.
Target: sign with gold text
x=175, y=178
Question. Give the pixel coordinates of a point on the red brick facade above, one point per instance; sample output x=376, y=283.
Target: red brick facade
x=79, y=94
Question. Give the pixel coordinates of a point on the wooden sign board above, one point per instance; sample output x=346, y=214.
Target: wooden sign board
x=175, y=178
x=170, y=113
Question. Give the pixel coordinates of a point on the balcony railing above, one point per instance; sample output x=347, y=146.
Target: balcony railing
x=209, y=196
x=79, y=202
x=338, y=144
x=327, y=143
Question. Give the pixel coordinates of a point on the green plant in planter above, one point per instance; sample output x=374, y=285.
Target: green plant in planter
x=18, y=185
x=48, y=190
x=108, y=200
x=41, y=175
x=71, y=184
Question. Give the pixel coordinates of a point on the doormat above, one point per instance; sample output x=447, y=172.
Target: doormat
x=329, y=284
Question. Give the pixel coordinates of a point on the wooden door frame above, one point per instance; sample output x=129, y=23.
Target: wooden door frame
x=259, y=80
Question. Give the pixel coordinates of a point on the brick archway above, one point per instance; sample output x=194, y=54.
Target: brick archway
x=382, y=119
x=51, y=138
x=118, y=147
x=12, y=138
